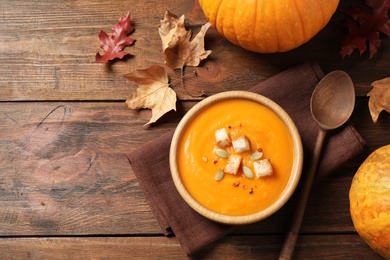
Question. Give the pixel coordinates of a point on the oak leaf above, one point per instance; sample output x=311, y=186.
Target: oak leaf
x=365, y=27
x=178, y=47
x=113, y=45
x=379, y=98
x=153, y=92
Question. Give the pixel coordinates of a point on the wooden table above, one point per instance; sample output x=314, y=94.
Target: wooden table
x=66, y=188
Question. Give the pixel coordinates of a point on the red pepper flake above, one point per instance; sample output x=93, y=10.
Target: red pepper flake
x=230, y=127
x=215, y=161
x=251, y=191
x=235, y=184
x=260, y=149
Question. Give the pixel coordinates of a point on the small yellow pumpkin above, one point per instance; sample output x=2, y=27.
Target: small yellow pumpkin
x=268, y=26
x=369, y=198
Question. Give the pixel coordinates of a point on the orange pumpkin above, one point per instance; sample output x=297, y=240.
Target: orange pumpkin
x=369, y=198
x=268, y=26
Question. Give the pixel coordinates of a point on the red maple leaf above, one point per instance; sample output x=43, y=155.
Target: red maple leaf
x=365, y=27
x=113, y=45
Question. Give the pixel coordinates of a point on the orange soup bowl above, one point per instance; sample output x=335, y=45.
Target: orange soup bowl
x=236, y=157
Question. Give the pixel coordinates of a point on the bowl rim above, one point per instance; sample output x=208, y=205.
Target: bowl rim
x=295, y=171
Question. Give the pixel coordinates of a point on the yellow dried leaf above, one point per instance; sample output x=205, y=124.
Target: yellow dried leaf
x=379, y=98
x=179, y=49
x=153, y=92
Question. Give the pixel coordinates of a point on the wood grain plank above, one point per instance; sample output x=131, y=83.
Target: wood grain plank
x=48, y=53
x=231, y=247
x=63, y=170
x=376, y=134
x=53, y=57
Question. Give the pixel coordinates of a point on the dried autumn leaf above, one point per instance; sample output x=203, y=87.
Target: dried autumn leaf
x=365, y=27
x=379, y=98
x=113, y=45
x=179, y=49
x=153, y=92
x=167, y=24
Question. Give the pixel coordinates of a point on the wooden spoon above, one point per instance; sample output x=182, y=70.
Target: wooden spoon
x=331, y=105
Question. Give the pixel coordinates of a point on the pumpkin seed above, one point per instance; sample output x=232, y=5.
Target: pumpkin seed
x=222, y=153
x=247, y=172
x=256, y=155
x=219, y=175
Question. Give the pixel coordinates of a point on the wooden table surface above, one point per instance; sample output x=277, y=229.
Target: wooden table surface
x=67, y=190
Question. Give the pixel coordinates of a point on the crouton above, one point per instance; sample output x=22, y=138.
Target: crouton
x=222, y=137
x=263, y=168
x=233, y=164
x=241, y=144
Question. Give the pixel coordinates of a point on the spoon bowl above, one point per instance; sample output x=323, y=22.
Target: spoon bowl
x=331, y=105
x=333, y=100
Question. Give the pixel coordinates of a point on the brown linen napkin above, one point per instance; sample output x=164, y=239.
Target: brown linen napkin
x=292, y=90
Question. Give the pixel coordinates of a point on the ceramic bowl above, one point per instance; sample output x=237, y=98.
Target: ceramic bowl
x=291, y=182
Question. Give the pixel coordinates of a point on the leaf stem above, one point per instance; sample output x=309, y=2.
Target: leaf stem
x=182, y=77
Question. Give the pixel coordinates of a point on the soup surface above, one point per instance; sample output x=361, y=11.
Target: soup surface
x=198, y=163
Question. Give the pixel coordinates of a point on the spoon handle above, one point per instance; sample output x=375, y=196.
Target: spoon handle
x=292, y=235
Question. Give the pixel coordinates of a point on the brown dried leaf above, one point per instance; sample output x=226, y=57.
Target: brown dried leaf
x=153, y=92
x=179, y=50
x=167, y=24
x=379, y=98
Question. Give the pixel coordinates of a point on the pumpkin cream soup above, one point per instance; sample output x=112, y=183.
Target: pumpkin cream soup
x=235, y=157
